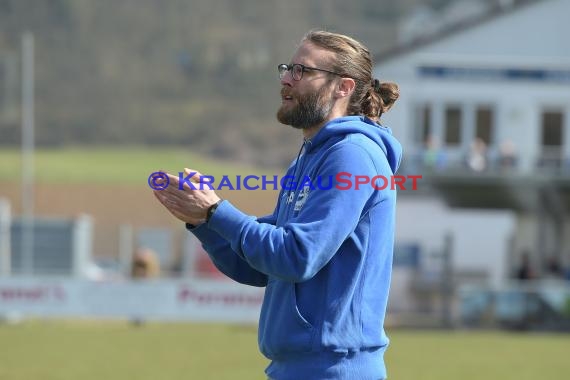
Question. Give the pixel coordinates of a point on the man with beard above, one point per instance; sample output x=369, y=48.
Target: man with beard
x=324, y=255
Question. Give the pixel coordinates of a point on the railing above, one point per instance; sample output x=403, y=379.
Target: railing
x=549, y=161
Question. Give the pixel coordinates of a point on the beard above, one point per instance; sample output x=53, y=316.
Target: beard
x=311, y=109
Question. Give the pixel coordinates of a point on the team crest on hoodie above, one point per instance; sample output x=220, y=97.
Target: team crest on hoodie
x=302, y=198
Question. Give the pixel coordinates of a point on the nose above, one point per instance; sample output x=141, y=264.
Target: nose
x=286, y=79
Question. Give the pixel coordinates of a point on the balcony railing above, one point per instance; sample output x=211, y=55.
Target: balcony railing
x=549, y=161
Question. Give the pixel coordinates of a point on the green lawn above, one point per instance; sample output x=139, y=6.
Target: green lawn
x=51, y=350
x=114, y=165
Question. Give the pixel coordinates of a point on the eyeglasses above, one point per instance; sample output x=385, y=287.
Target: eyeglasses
x=298, y=69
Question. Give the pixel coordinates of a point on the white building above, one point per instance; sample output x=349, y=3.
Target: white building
x=502, y=78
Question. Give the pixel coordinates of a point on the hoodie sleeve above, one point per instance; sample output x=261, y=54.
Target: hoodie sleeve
x=225, y=259
x=297, y=250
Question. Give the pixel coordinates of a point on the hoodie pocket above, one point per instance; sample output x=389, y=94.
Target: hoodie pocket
x=302, y=320
x=283, y=330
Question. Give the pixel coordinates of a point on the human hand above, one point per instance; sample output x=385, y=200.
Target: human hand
x=187, y=203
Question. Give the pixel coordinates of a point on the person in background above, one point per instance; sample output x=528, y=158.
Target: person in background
x=145, y=264
x=477, y=156
x=554, y=270
x=433, y=157
x=525, y=270
x=507, y=155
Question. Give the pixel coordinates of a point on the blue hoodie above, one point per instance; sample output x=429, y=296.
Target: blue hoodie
x=324, y=255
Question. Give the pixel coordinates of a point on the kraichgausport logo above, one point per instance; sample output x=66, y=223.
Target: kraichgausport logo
x=340, y=181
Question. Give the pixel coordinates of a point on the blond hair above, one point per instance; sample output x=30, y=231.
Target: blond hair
x=371, y=97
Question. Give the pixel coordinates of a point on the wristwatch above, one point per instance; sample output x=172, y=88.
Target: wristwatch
x=212, y=209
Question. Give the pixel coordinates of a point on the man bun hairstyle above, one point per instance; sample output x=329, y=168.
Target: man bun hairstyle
x=371, y=98
x=381, y=98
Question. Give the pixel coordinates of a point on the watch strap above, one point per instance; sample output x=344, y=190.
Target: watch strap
x=212, y=209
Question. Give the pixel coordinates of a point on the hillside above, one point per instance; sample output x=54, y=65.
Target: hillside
x=198, y=74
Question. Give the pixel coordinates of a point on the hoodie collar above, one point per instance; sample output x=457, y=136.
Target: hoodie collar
x=346, y=125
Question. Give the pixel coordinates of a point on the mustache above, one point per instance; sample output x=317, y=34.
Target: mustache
x=286, y=92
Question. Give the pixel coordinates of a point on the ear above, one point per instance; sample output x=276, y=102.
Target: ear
x=345, y=87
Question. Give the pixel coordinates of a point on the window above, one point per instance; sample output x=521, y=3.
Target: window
x=484, y=124
x=552, y=122
x=452, y=125
x=423, y=125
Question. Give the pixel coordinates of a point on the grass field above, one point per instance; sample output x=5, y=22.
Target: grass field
x=50, y=350
x=110, y=184
x=114, y=165
x=86, y=350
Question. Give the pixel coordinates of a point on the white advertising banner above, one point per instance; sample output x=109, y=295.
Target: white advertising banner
x=175, y=300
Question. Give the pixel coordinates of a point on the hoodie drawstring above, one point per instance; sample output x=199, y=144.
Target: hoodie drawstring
x=303, y=146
